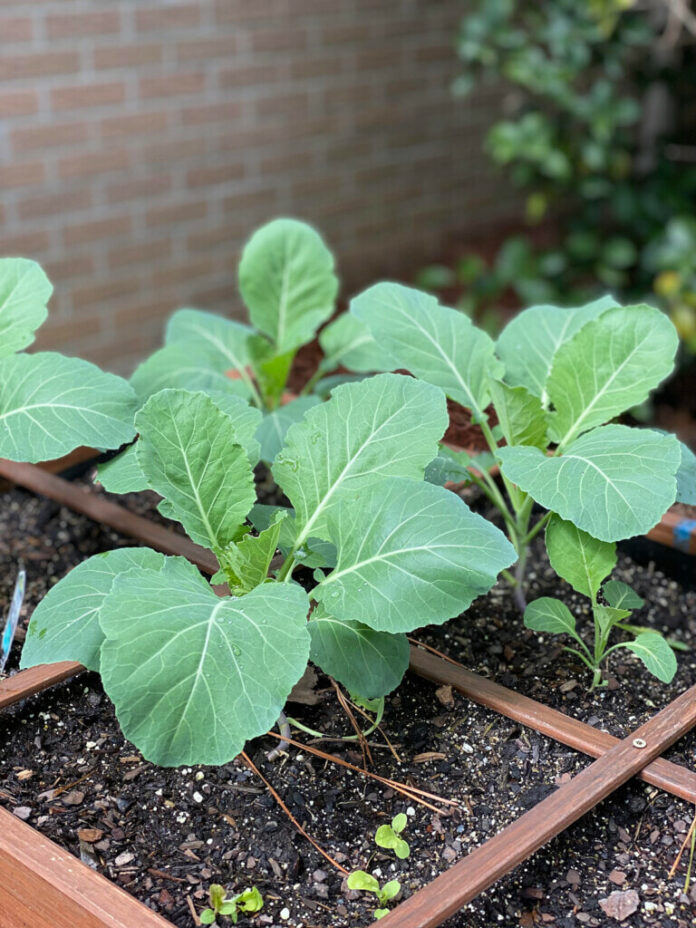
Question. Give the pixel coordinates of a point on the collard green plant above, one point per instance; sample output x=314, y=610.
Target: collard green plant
x=556, y=379
x=50, y=404
x=194, y=675
x=585, y=562
x=389, y=837
x=248, y=901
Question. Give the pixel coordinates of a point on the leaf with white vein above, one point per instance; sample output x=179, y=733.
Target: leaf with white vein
x=686, y=477
x=547, y=614
x=190, y=452
x=209, y=333
x=347, y=341
x=176, y=367
x=520, y=413
x=580, y=559
x=409, y=554
x=613, y=482
x=654, y=651
x=273, y=428
x=287, y=280
x=365, y=661
x=194, y=676
x=387, y=426
x=611, y=364
x=122, y=474
x=65, y=625
x=528, y=343
x=436, y=344
x=24, y=292
x=50, y=404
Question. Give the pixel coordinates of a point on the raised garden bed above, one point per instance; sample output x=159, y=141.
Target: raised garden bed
x=563, y=877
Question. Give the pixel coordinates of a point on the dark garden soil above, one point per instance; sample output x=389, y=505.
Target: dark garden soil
x=165, y=834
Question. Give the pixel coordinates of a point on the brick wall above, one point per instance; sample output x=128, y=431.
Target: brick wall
x=141, y=141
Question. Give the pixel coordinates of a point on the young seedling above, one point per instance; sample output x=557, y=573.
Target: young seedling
x=388, y=836
x=584, y=562
x=248, y=901
x=556, y=378
x=50, y=404
x=367, y=883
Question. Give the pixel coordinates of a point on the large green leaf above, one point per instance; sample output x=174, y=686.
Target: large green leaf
x=273, y=428
x=347, y=341
x=226, y=340
x=50, y=404
x=387, y=426
x=245, y=419
x=176, y=367
x=686, y=477
x=24, y=292
x=439, y=345
x=409, y=554
x=520, y=413
x=613, y=482
x=365, y=661
x=452, y=466
x=287, y=280
x=611, y=364
x=580, y=559
x=547, y=614
x=194, y=676
x=65, y=625
x=122, y=474
x=528, y=343
x=189, y=450
x=655, y=652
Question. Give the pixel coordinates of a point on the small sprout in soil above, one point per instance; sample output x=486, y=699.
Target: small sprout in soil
x=388, y=836
x=248, y=901
x=360, y=880
x=584, y=562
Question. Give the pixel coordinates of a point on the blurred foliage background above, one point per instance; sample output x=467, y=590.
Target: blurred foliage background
x=598, y=134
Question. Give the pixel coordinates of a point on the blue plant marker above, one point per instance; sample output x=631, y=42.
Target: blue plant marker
x=12, y=619
x=682, y=534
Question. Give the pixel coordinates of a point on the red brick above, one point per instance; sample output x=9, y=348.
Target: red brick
x=139, y=188
x=211, y=112
x=140, y=253
x=183, y=16
x=57, y=332
x=51, y=136
x=83, y=95
x=219, y=174
x=209, y=238
x=183, y=272
x=292, y=105
x=49, y=204
x=38, y=64
x=251, y=75
x=258, y=10
x=18, y=103
x=16, y=29
x=98, y=229
x=172, y=85
x=136, y=124
x=22, y=174
x=24, y=243
x=285, y=38
x=76, y=25
x=95, y=294
x=127, y=56
x=102, y=162
x=176, y=213
x=76, y=265
x=195, y=49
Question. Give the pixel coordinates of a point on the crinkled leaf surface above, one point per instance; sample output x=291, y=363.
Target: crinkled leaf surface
x=365, y=661
x=287, y=280
x=190, y=453
x=347, y=341
x=225, y=340
x=24, y=292
x=613, y=482
x=387, y=426
x=194, y=676
x=273, y=428
x=655, y=652
x=313, y=552
x=50, y=404
x=549, y=615
x=621, y=595
x=122, y=474
x=520, y=413
x=409, y=554
x=611, y=364
x=177, y=367
x=436, y=344
x=65, y=625
x=580, y=559
x=528, y=343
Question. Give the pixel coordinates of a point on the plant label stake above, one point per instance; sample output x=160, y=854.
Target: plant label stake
x=12, y=618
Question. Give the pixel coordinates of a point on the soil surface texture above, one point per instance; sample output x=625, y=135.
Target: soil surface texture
x=167, y=834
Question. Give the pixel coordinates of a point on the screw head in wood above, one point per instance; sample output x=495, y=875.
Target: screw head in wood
x=639, y=743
